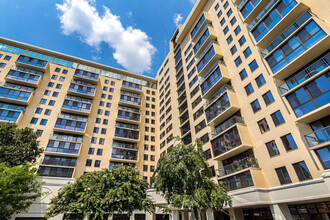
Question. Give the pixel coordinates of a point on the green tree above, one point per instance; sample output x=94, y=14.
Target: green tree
x=97, y=193
x=18, y=146
x=182, y=178
x=18, y=189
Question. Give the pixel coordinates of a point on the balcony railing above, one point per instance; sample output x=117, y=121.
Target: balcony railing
x=28, y=76
x=128, y=116
x=124, y=154
x=132, y=86
x=60, y=162
x=10, y=113
x=32, y=61
x=238, y=165
x=220, y=92
x=318, y=137
x=227, y=124
x=262, y=14
x=86, y=75
x=15, y=92
x=119, y=144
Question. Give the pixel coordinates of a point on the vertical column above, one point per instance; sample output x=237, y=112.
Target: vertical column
x=209, y=215
x=236, y=214
x=175, y=215
x=281, y=211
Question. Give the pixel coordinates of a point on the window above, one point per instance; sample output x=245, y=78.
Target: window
x=229, y=12
x=110, y=97
x=54, y=77
x=101, y=141
x=113, y=83
x=225, y=30
x=260, y=80
x=101, y=103
x=229, y=39
x=2, y=65
x=268, y=97
x=272, y=148
x=93, y=140
x=233, y=50
x=255, y=106
x=96, y=130
x=7, y=58
x=219, y=14
x=55, y=94
x=152, y=168
x=263, y=125
x=106, y=81
x=243, y=74
x=105, y=88
x=103, y=96
x=200, y=126
x=103, y=131
x=153, y=148
x=111, y=90
x=38, y=111
x=97, y=163
x=58, y=86
x=62, y=78
x=47, y=92
x=48, y=111
x=152, y=157
x=277, y=118
x=195, y=79
x=238, y=61
x=43, y=101
x=247, y=52
x=253, y=65
x=145, y=157
x=100, y=111
x=65, y=72
x=97, y=120
x=99, y=152
x=242, y=40
x=233, y=21
x=226, y=5
x=50, y=84
x=237, y=30
x=34, y=121
x=105, y=121
x=51, y=102
x=108, y=105
x=40, y=132
x=88, y=163
x=216, y=6
x=145, y=168
x=222, y=22
x=57, y=70
x=302, y=171
x=283, y=175
x=146, y=147
x=288, y=142
x=249, y=89
x=43, y=121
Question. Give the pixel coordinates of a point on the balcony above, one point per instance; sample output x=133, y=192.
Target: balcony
x=62, y=144
x=221, y=106
x=319, y=138
x=183, y=108
x=127, y=115
x=269, y=33
x=227, y=124
x=239, y=181
x=313, y=71
x=207, y=35
x=124, y=155
x=30, y=62
x=208, y=57
x=71, y=124
x=83, y=89
x=216, y=77
x=132, y=87
x=202, y=22
x=130, y=99
x=59, y=161
x=86, y=76
x=250, y=8
x=15, y=94
x=125, y=145
x=25, y=77
x=185, y=128
x=127, y=132
x=77, y=105
x=10, y=113
x=283, y=62
x=238, y=166
x=56, y=172
x=230, y=142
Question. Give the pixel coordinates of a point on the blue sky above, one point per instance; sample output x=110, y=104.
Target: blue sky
x=127, y=34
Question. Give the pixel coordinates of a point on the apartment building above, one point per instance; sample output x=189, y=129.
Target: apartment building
x=251, y=79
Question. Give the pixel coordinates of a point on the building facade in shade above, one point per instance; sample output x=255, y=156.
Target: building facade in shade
x=249, y=78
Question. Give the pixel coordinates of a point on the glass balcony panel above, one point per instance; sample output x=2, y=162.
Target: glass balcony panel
x=128, y=115
x=197, y=26
x=124, y=154
x=56, y=172
x=125, y=133
x=59, y=161
x=318, y=137
x=126, y=145
x=87, y=75
x=238, y=165
x=227, y=124
x=31, y=61
x=23, y=76
x=226, y=142
x=211, y=80
x=204, y=60
x=217, y=107
x=238, y=181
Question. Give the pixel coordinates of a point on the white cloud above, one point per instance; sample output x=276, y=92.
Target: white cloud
x=132, y=47
x=177, y=18
x=193, y=1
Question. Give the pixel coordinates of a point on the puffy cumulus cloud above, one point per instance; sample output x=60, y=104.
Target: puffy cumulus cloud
x=177, y=18
x=132, y=47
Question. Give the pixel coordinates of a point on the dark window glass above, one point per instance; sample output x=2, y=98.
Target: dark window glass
x=302, y=171
x=283, y=175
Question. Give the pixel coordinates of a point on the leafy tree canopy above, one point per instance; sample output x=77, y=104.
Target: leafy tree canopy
x=97, y=193
x=18, y=146
x=18, y=189
x=182, y=178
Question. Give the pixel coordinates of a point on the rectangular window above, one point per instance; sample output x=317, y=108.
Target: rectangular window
x=48, y=112
x=302, y=171
x=268, y=97
x=91, y=150
x=34, y=121
x=229, y=12
x=43, y=101
x=51, y=102
x=277, y=118
x=97, y=163
x=50, y=84
x=238, y=61
x=283, y=175
x=263, y=125
x=229, y=39
x=200, y=126
x=103, y=131
x=57, y=70
x=99, y=152
x=219, y=14
x=225, y=6
x=233, y=50
x=243, y=74
x=7, y=57
x=249, y=89
x=272, y=148
x=62, y=78
x=88, y=163
x=260, y=80
x=253, y=65
x=94, y=140
x=242, y=40
x=247, y=52
x=55, y=94
x=38, y=111
x=58, y=86
x=43, y=121
x=223, y=21
x=225, y=30
x=47, y=92
x=237, y=30
x=288, y=142
x=255, y=106
x=233, y=21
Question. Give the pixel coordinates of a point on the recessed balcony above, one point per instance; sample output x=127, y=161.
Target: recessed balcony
x=71, y=124
x=82, y=89
x=30, y=62
x=64, y=144
x=76, y=105
x=124, y=155
x=319, y=138
x=127, y=132
x=234, y=140
x=25, y=77
x=86, y=76
x=15, y=94
x=202, y=22
x=221, y=106
x=238, y=166
x=59, y=161
x=130, y=99
x=11, y=113
x=207, y=35
x=208, y=57
x=131, y=87
x=125, y=115
x=217, y=77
